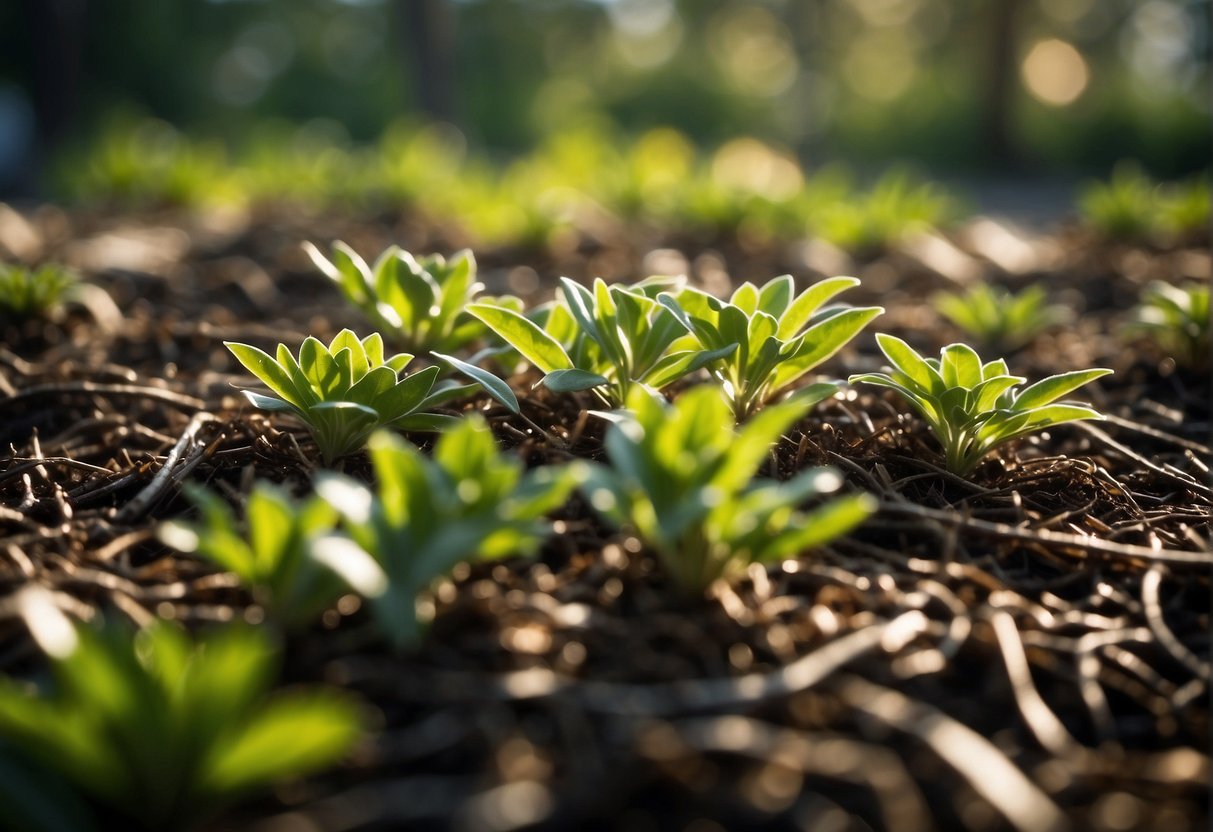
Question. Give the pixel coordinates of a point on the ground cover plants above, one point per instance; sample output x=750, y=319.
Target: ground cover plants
x=971, y=406
x=656, y=566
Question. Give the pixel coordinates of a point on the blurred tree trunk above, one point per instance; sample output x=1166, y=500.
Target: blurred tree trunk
x=55, y=29
x=998, y=98
x=429, y=36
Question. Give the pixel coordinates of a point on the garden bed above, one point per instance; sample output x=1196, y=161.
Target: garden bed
x=1026, y=648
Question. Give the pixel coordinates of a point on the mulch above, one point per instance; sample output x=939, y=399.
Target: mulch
x=1028, y=649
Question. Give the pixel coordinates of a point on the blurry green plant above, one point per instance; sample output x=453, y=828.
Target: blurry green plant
x=345, y=391
x=896, y=206
x=467, y=503
x=681, y=478
x=1123, y=208
x=779, y=336
x=29, y=293
x=998, y=319
x=608, y=339
x=1184, y=209
x=420, y=303
x=1177, y=320
x=170, y=732
x=972, y=407
x=289, y=558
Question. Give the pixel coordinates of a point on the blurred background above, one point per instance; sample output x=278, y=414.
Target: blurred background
x=985, y=89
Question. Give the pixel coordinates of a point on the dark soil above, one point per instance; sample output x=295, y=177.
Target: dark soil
x=1026, y=650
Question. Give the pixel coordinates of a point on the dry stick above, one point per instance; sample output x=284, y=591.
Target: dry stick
x=1174, y=476
x=144, y=499
x=27, y=464
x=1150, y=599
x=817, y=753
x=1155, y=433
x=1041, y=721
x=92, y=388
x=988, y=771
x=1045, y=537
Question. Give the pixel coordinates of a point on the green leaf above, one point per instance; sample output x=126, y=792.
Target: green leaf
x=961, y=366
x=776, y=295
x=809, y=301
x=265, y=368
x=269, y=403
x=822, y=341
x=1054, y=387
x=571, y=381
x=295, y=734
x=492, y=385
x=902, y=356
x=680, y=364
x=535, y=345
x=824, y=524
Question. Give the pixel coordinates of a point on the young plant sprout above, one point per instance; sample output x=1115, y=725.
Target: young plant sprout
x=167, y=730
x=779, y=336
x=681, y=478
x=1124, y=207
x=347, y=390
x=419, y=303
x=289, y=557
x=26, y=293
x=999, y=319
x=608, y=339
x=973, y=407
x=1177, y=320
x=469, y=502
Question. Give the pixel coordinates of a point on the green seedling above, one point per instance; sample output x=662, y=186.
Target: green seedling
x=681, y=478
x=1177, y=320
x=1123, y=208
x=347, y=390
x=779, y=336
x=895, y=207
x=1184, y=208
x=467, y=503
x=26, y=294
x=289, y=557
x=419, y=303
x=974, y=407
x=608, y=339
x=999, y=319
x=168, y=731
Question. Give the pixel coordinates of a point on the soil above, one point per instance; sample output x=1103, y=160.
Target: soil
x=1027, y=649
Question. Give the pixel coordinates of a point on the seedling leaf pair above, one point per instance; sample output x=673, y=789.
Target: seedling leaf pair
x=973, y=407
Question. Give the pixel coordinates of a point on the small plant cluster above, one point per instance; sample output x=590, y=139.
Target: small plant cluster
x=30, y=293
x=160, y=727
x=1131, y=207
x=344, y=391
x=998, y=319
x=972, y=406
x=1176, y=319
